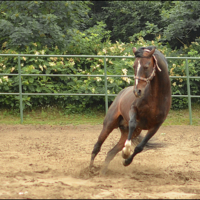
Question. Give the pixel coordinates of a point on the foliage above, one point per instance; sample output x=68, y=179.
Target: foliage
x=178, y=22
x=63, y=28
x=57, y=65
x=125, y=18
x=50, y=23
x=85, y=66
x=182, y=22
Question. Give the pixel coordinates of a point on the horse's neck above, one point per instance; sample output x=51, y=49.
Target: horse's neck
x=161, y=82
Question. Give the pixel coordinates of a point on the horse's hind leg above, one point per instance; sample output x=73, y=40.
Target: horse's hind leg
x=111, y=122
x=118, y=147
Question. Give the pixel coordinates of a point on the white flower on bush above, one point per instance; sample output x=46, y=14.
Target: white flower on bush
x=128, y=80
x=36, y=53
x=111, y=80
x=4, y=66
x=12, y=69
x=93, y=90
x=5, y=78
x=122, y=49
x=52, y=64
x=174, y=84
x=0, y=80
x=98, y=79
x=40, y=66
x=112, y=49
x=124, y=71
x=104, y=50
x=72, y=63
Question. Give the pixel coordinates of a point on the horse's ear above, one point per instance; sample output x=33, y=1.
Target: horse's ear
x=151, y=52
x=134, y=50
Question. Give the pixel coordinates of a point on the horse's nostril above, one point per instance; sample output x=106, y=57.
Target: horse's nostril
x=137, y=93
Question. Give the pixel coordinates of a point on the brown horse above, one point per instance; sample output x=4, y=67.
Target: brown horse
x=143, y=106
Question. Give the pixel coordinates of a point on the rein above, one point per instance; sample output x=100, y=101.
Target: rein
x=153, y=72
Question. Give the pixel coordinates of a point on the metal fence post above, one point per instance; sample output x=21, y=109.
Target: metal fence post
x=106, y=94
x=188, y=91
x=20, y=90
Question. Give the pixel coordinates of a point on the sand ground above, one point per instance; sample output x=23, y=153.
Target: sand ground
x=44, y=161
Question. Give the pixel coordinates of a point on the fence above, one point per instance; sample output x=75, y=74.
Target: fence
x=105, y=77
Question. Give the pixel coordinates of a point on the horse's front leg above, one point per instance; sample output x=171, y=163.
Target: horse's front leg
x=140, y=146
x=126, y=151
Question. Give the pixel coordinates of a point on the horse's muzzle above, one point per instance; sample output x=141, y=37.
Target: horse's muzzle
x=137, y=93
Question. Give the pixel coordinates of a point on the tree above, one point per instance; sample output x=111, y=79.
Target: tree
x=177, y=22
x=125, y=18
x=182, y=22
x=48, y=23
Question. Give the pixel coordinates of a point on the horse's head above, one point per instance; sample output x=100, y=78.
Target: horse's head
x=144, y=67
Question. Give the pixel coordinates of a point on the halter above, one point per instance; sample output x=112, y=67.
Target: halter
x=153, y=72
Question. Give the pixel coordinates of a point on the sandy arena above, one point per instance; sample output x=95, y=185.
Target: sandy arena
x=51, y=162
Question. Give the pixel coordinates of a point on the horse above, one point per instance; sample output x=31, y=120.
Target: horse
x=143, y=106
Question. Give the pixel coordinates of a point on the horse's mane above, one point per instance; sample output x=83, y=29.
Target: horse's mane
x=139, y=53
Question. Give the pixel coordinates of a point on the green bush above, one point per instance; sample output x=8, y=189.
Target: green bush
x=95, y=41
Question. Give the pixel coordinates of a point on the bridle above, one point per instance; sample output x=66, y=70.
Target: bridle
x=153, y=72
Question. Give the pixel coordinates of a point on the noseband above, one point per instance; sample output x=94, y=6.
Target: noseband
x=153, y=72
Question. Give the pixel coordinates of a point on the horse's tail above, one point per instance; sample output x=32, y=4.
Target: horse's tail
x=151, y=144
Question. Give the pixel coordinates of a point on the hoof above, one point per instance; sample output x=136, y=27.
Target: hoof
x=91, y=164
x=125, y=156
x=103, y=172
x=104, y=169
x=126, y=162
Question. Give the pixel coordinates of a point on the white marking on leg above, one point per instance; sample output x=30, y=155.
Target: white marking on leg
x=138, y=69
x=127, y=149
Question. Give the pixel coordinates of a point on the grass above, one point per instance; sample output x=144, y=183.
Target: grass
x=51, y=116
x=181, y=117
x=55, y=116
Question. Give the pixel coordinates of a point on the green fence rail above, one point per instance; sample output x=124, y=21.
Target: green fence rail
x=189, y=96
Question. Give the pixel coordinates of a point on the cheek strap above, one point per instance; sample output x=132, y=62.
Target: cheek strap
x=153, y=72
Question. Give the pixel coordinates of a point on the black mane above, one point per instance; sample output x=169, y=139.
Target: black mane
x=139, y=53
